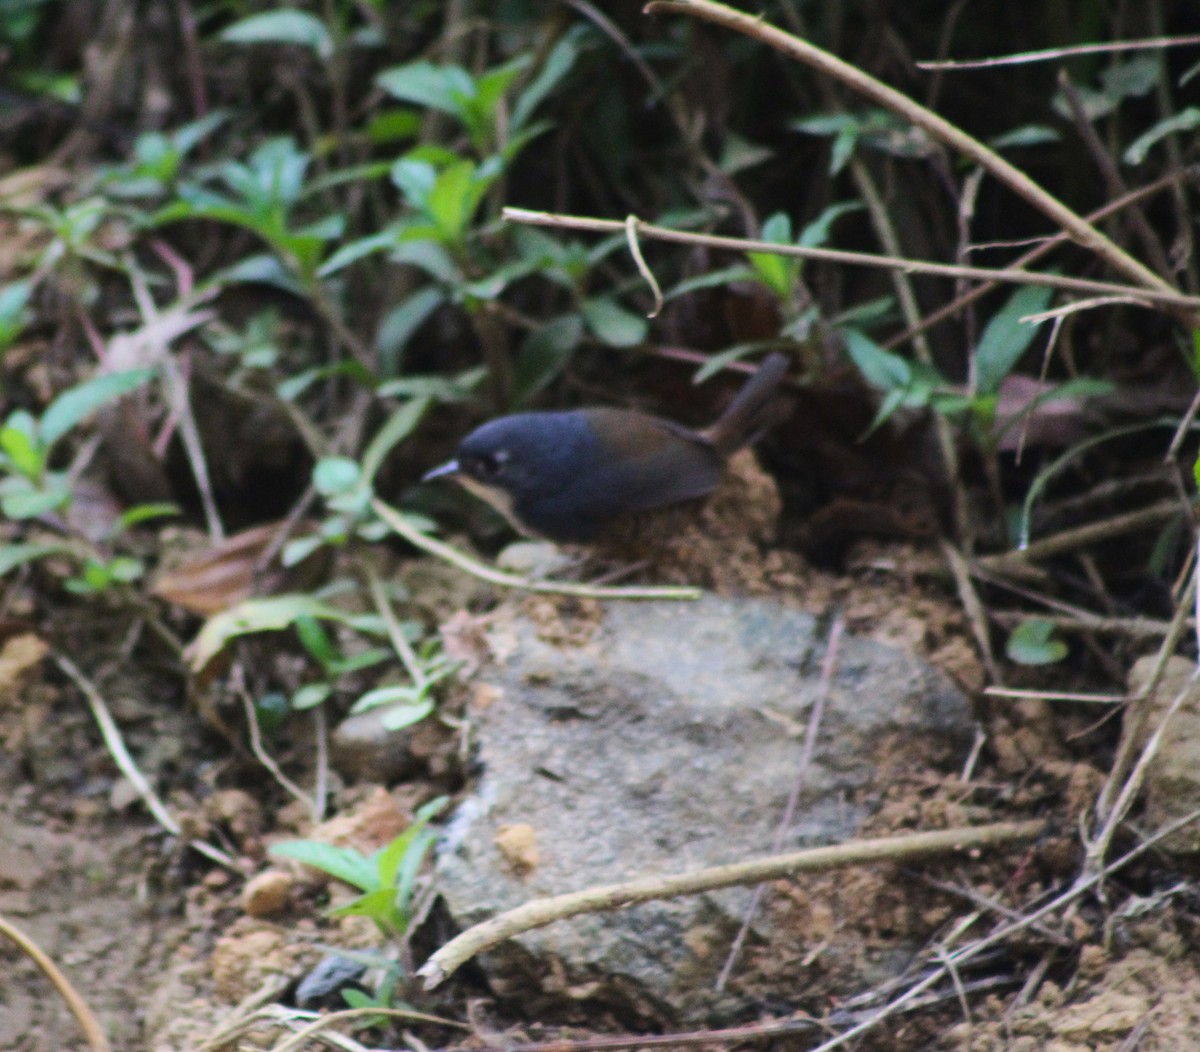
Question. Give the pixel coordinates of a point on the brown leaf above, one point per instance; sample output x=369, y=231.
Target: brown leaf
x=212, y=580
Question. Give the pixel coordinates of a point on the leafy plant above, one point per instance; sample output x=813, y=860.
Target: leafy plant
x=386, y=877
x=29, y=487
x=917, y=385
x=1033, y=643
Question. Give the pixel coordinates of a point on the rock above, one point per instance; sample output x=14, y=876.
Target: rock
x=1172, y=785
x=322, y=987
x=664, y=738
x=535, y=559
x=362, y=749
x=267, y=893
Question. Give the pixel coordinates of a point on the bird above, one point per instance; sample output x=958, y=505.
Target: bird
x=585, y=476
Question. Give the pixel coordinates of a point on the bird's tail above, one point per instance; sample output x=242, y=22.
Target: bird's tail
x=752, y=411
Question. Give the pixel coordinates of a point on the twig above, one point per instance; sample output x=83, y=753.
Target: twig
x=395, y=630
x=1056, y=54
x=828, y=665
x=1167, y=297
x=1134, y=627
x=1139, y=709
x=260, y=752
x=111, y=734
x=938, y=127
x=84, y=1016
x=1113, y=815
x=1044, y=248
x=635, y=250
x=1081, y=886
x=321, y=775
x=541, y=912
x=1080, y=537
x=1055, y=695
x=300, y=1038
x=906, y=296
x=472, y=566
x=978, y=898
x=973, y=607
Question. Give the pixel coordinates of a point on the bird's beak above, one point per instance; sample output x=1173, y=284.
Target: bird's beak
x=449, y=468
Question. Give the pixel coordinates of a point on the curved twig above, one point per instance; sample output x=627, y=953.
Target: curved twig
x=507, y=580
x=540, y=912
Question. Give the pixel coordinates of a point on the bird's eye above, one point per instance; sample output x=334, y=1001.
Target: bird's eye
x=490, y=465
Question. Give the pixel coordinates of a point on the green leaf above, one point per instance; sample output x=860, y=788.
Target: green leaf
x=543, y=354
x=457, y=388
x=817, y=232
x=415, y=180
x=389, y=695
x=300, y=548
x=333, y=475
x=713, y=278
x=28, y=503
x=1031, y=643
x=310, y=696
x=557, y=64
x=612, y=324
x=427, y=255
x=14, y=555
x=778, y=273
x=379, y=904
x=271, y=614
x=363, y=659
x=880, y=368
x=20, y=444
x=1184, y=120
x=399, y=714
x=14, y=311
x=125, y=569
x=400, y=323
x=392, y=125
x=73, y=405
x=489, y=90
x=1006, y=337
x=1026, y=135
x=283, y=26
x=398, y=427
x=355, y=250
x=140, y=513
x=445, y=88
x=315, y=640
x=345, y=863
x=455, y=196
x=398, y=717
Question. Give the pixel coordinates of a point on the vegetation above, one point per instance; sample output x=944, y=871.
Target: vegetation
x=257, y=269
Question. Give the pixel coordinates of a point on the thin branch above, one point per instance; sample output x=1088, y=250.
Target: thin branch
x=934, y=125
x=1083, y=885
x=1056, y=54
x=1079, y=537
x=84, y=1016
x=1168, y=297
x=1045, y=246
x=541, y=912
x=260, y=752
x=111, y=734
x=507, y=580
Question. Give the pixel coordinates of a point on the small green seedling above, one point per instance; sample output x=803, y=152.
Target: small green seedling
x=386, y=877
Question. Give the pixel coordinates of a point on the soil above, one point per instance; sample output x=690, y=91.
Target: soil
x=158, y=941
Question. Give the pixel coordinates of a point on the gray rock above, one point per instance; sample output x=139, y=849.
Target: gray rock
x=363, y=749
x=668, y=742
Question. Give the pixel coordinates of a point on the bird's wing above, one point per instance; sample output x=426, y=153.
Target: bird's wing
x=649, y=463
